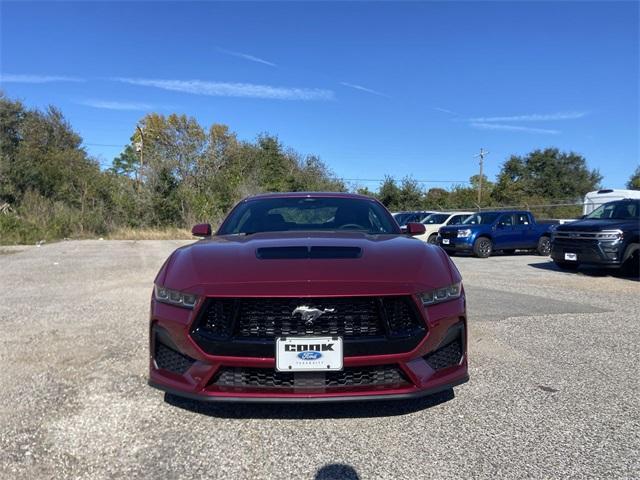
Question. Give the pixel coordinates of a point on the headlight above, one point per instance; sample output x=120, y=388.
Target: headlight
x=173, y=297
x=464, y=233
x=440, y=295
x=610, y=235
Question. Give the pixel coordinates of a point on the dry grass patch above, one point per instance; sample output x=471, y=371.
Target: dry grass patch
x=150, y=234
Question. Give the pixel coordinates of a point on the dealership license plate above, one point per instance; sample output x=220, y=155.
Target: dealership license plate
x=445, y=241
x=572, y=257
x=308, y=354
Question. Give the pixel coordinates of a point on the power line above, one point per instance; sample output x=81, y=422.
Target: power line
x=102, y=145
x=412, y=179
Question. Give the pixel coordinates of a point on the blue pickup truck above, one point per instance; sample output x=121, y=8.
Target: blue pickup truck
x=485, y=232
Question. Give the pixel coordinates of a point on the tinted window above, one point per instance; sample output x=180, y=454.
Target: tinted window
x=307, y=213
x=506, y=220
x=401, y=218
x=522, y=219
x=616, y=210
x=435, y=218
x=481, y=218
x=457, y=219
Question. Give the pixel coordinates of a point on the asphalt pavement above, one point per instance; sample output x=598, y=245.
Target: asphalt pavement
x=554, y=390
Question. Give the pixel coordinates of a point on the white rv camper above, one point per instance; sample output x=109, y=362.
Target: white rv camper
x=593, y=200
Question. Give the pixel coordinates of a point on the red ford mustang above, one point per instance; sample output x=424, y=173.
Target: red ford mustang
x=308, y=297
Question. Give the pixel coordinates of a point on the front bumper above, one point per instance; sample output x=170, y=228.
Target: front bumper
x=595, y=253
x=437, y=363
x=462, y=244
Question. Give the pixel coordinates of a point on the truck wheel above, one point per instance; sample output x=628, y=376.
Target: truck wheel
x=566, y=265
x=432, y=239
x=482, y=247
x=544, y=246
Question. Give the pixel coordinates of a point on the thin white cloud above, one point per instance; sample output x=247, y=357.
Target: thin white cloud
x=363, y=89
x=513, y=128
x=226, y=89
x=246, y=56
x=533, y=117
x=444, y=110
x=24, y=78
x=111, y=105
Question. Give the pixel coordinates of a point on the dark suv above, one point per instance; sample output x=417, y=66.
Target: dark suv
x=607, y=237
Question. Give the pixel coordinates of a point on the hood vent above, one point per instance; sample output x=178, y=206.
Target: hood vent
x=322, y=252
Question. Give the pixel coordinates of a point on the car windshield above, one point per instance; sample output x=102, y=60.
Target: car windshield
x=308, y=214
x=435, y=218
x=481, y=218
x=623, y=210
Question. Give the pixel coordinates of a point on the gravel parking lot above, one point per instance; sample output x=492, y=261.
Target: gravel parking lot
x=553, y=392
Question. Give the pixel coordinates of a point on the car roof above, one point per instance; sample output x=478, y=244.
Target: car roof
x=503, y=211
x=308, y=195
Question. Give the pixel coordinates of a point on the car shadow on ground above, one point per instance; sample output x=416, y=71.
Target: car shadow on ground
x=302, y=411
x=588, y=271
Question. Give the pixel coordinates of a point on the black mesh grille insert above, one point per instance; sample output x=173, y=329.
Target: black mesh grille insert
x=168, y=359
x=259, y=378
x=351, y=317
x=446, y=356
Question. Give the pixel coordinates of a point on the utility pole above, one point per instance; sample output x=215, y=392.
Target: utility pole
x=483, y=153
x=140, y=148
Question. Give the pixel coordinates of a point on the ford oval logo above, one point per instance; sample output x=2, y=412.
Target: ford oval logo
x=309, y=355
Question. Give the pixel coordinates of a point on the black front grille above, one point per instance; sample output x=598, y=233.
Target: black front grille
x=248, y=327
x=263, y=378
x=171, y=360
x=268, y=318
x=446, y=356
x=449, y=234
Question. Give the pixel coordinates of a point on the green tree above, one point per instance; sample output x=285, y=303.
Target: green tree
x=634, y=180
x=389, y=194
x=545, y=174
x=127, y=163
x=411, y=195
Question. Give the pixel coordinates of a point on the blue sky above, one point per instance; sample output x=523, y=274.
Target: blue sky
x=372, y=88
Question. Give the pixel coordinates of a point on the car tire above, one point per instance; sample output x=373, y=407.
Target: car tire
x=544, y=246
x=566, y=265
x=482, y=247
x=433, y=239
x=509, y=251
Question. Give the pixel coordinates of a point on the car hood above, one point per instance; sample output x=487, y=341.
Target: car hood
x=455, y=228
x=597, y=225
x=230, y=265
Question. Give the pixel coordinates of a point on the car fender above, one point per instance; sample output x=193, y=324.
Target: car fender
x=630, y=250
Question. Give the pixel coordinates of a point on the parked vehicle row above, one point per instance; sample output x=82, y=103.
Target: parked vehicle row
x=606, y=236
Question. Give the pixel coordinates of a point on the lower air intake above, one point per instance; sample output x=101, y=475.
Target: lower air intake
x=447, y=356
x=168, y=359
x=263, y=378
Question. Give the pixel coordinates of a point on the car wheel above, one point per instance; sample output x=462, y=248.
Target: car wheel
x=432, y=239
x=482, y=247
x=544, y=246
x=566, y=265
x=509, y=251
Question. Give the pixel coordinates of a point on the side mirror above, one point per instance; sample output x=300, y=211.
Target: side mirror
x=201, y=230
x=415, y=228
